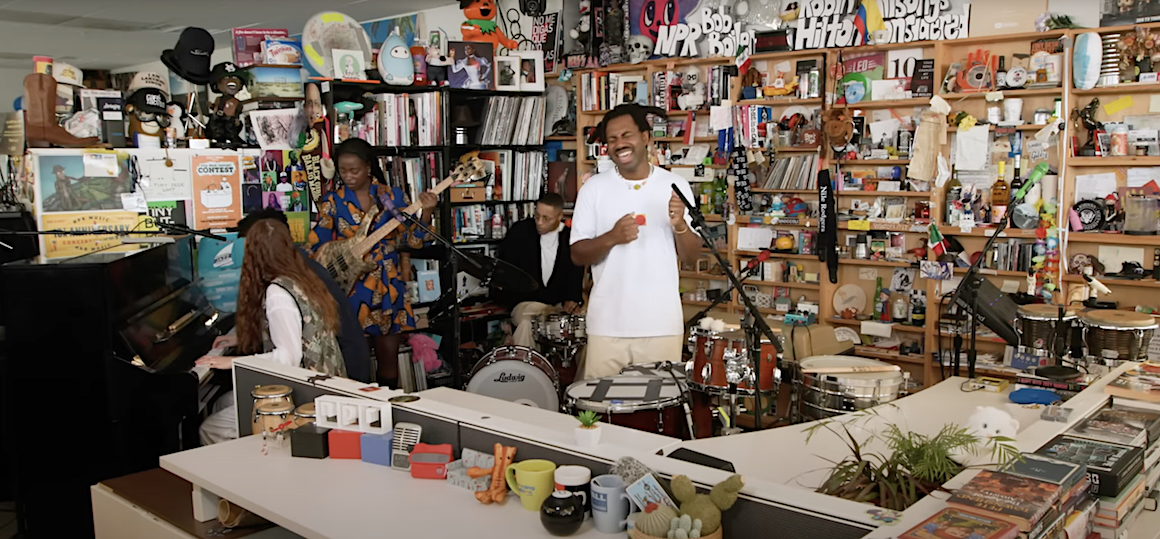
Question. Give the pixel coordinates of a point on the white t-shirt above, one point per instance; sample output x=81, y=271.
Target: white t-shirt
x=549, y=245
x=636, y=288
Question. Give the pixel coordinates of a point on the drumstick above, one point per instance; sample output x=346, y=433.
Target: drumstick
x=839, y=370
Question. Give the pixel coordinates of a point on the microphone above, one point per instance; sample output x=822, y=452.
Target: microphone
x=181, y=229
x=1096, y=285
x=1036, y=174
x=764, y=255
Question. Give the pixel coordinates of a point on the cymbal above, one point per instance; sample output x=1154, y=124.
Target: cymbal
x=504, y=277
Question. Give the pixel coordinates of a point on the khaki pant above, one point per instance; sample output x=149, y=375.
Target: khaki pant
x=522, y=316
x=606, y=356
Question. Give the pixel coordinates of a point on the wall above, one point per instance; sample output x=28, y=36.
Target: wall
x=11, y=86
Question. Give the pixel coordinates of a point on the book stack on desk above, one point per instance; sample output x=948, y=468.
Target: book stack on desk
x=1024, y=501
x=1110, y=466
x=1074, y=490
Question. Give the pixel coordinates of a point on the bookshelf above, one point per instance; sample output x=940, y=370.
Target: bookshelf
x=421, y=154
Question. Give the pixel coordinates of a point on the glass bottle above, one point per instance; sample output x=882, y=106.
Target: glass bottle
x=1001, y=75
x=999, y=198
x=954, y=190
x=720, y=191
x=900, y=310
x=880, y=307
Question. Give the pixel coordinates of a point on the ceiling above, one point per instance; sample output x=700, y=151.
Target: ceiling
x=112, y=34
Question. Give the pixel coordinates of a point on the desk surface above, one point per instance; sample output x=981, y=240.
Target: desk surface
x=339, y=499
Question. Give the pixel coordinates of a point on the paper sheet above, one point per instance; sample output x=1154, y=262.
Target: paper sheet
x=721, y=116
x=879, y=130
x=1094, y=186
x=876, y=329
x=1139, y=176
x=160, y=182
x=134, y=202
x=868, y=274
x=971, y=148
x=100, y=164
x=753, y=238
x=1113, y=257
x=1154, y=103
x=1009, y=287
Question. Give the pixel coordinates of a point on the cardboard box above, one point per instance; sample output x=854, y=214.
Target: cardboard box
x=469, y=193
x=1005, y=18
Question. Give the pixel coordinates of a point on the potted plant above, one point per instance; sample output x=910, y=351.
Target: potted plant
x=588, y=433
x=915, y=465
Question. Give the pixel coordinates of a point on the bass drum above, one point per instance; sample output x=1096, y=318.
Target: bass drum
x=517, y=374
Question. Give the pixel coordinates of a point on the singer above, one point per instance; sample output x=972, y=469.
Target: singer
x=379, y=298
x=630, y=227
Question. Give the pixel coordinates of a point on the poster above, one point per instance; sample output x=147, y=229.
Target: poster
x=299, y=223
x=217, y=188
x=70, y=246
x=64, y=186
x=219, y=268
x=169, y=212
x=547, y=37
x=283, y=181
x=162, y=182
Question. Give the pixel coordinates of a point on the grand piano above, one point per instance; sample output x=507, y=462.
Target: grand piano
x=96, y=375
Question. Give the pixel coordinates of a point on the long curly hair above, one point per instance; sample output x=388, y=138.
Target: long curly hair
x=270, y=253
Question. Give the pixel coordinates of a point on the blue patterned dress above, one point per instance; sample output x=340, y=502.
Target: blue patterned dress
x=379, y=298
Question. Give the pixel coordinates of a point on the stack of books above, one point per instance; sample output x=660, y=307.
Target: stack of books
x=410, y=119
x=1110, y=466
x=797, y=172
x=1136, y=384
x=487, y=221
x=512, y=120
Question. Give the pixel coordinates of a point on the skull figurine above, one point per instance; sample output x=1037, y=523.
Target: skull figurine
x=639, y=48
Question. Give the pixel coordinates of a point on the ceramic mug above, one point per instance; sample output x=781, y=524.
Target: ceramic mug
x=577, y=480
x=1013, y=110
x=610, y=504
x=532, y=480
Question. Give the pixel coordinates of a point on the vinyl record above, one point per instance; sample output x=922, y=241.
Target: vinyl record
x=847, y=334
x=976, y=77
x=1091, y=214
x=332, y=30
x=1025, y=216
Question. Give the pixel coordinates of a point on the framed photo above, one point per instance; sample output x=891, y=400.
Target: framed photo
x=349, y=64
x=273, y=127
x=531, y=72
x=472, y=64
x=507, y=70
x=631, y=90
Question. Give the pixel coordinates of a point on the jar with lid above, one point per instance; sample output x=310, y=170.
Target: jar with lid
x=1119, y=140
x=861, y=250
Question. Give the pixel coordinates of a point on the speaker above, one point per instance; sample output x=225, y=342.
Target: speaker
x=22, y=246
x=532, y=8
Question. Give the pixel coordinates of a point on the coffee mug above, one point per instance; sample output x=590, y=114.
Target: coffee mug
x=610, y=504
x=575, y=479
x=532, y=481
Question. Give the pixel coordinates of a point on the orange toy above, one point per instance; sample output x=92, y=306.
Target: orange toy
x=480, y=24
x=503, y=458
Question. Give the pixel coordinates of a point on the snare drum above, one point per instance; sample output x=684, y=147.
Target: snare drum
x=642, y=402
x=1040, y=328
x=657, y=369
x=271, y=415
x=516, y=374
x=721, y=358
x=272, y=393
x=560, y=328
x=827, y=395
x=1117, y=335
x=304, y=414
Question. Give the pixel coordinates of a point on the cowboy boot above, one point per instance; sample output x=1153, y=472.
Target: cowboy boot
x=40, y=126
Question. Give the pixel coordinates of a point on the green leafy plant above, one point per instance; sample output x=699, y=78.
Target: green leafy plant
x=588, y=419
x=915, y=466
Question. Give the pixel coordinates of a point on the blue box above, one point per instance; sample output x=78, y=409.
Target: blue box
x=376, y=448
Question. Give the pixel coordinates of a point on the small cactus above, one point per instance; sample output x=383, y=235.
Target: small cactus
x=684, y=527
x=588, y=419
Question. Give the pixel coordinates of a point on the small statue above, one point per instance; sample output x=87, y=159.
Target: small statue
x=437, y=64
x=1087, y=116
x=692, y=89
x=225, y=128
x=777, y=208
x=582, y=33
x=147, y=117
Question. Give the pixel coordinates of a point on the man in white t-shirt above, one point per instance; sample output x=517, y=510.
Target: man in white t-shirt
x=630, y=228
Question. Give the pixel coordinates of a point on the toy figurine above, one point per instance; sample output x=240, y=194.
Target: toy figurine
x=147, y=117
x=176, y=129
x=396, y=67
x=776, y=208
x=224, y=127
x=437, y=64
x=498, y=489
x=640, y=48
x=582, y=33
x=480, y=24
x=692, y=89
x=1087, y=116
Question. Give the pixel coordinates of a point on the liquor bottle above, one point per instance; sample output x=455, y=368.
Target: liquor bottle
x=1156, y=264
x=1016, y=185
x=954, y=190
x=900, y=309
x=1001, y=75
x=880, y=307
x=706, y=196
x=917, y=315
x=999, y=196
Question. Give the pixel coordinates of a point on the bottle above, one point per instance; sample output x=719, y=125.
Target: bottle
x=706, y=196
x=999, y=198
x=1001, y=75
x=720, y=191
x=880, y=307
x=918, y=315
x=1058, y=110
x=954, y=190
x=860, y=249
x=900, y=310
x=1016, y=185
x=1156, y=264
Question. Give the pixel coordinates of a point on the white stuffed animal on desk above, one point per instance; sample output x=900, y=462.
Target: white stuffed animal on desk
x=986, y=423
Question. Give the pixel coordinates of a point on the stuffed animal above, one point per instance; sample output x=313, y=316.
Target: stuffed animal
x=498, y=490
x=424, y=352
x=437, y=64
x=707, y=507
x=692, y=89
x=986, y=423
x=582, y=33
x=396, y=67
x=480, y=24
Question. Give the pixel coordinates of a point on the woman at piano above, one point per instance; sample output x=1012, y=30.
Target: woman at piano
x=380, y=297
x=285, y=314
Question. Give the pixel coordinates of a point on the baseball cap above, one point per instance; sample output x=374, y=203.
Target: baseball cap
x=148, y=100
x=149, y=79
x=67, y=74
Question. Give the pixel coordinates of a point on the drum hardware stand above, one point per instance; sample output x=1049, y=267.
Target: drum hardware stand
x=682, y=389
x=721, y=298
x=751, y=320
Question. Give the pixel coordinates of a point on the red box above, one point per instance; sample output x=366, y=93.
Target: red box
x=430, y=461
x=345, y=444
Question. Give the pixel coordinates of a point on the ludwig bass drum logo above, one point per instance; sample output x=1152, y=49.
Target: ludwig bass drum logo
x=504, y=378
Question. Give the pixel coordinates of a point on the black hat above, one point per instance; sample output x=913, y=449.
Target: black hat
x=148, y=100
x=223, y=70
x=189, y=59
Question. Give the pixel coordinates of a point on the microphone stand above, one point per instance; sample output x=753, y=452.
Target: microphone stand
x=752, y=322
x=745, y=275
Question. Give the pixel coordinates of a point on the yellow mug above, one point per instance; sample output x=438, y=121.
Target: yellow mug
x=533, y=480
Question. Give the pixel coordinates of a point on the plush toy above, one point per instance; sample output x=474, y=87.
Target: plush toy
x=707, y=507
x=685, y=527
x=692, y=89
x=396, y=67
x=437, y=64
x=986, y=423
x=582, y=33
x=480, y=24
x=656, y=519
x=424, y=352
x=498, y=490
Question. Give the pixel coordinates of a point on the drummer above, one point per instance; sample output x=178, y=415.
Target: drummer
x=540, y=246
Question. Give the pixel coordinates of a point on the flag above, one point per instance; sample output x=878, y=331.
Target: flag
x=937, y=243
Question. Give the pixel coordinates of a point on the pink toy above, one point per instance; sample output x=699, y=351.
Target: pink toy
x=424, y=352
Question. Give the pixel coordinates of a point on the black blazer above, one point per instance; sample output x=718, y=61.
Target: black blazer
x=521, y=248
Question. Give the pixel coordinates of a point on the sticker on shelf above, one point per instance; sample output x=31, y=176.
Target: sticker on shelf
x=868, y=274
